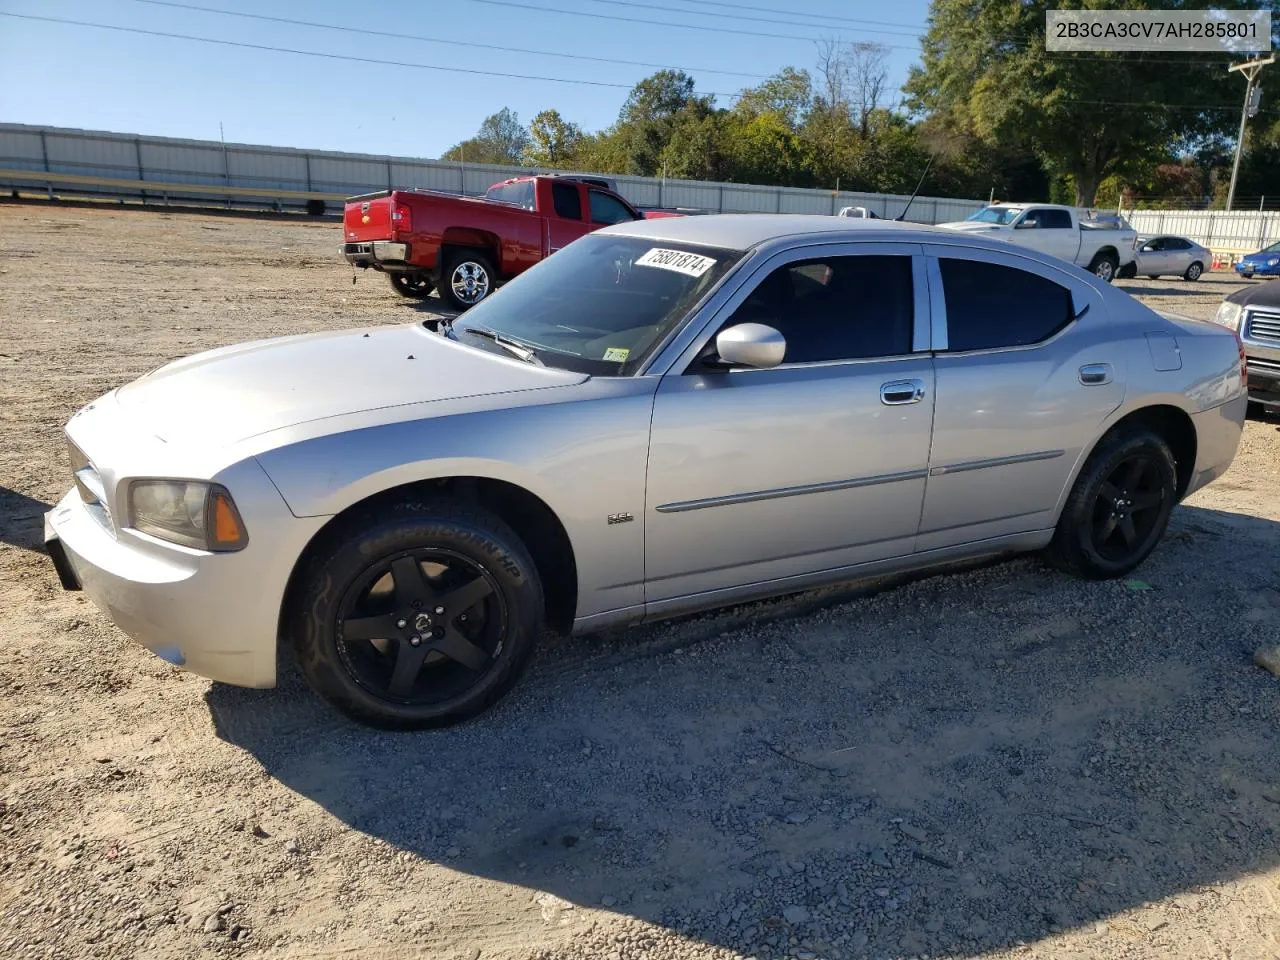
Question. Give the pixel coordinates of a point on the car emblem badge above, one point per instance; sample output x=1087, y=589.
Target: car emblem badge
x=422, y=623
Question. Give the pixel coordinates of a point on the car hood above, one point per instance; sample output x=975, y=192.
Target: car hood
x=1266, y=295
x=233, y=393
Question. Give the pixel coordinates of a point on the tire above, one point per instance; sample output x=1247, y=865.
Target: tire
x=1090, y=541
x=1194, y=271
x=414, y=285
x=1128, y=271
x=467, y=278
x=1104, y=266
x=1247, y=276
x=369, y=633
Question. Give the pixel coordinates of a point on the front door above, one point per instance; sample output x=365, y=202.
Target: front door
x=1049, y=231
x=762, y=474
x=1022, y=387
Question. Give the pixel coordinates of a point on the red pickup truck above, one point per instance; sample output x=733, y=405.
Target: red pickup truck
x=466, y=246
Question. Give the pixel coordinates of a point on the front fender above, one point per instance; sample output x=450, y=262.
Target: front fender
x=583, y=455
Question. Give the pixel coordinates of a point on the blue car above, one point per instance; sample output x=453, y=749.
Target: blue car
x=1265, y=263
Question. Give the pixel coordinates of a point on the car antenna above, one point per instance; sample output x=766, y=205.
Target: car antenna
x=919, y=184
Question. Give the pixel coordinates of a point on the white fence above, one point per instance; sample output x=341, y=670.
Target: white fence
x=1234, y=233
x=284, y=176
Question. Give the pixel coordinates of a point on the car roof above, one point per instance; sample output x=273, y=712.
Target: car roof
x=743, y=231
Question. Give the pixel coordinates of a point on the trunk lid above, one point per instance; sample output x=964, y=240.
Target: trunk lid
x=367, y=218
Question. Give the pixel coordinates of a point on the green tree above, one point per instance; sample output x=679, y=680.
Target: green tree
x=553, y=141
x=1086, y=116
x=656, y=106
x=500, y=139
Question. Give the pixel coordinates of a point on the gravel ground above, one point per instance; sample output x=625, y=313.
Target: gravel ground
x=995, y=762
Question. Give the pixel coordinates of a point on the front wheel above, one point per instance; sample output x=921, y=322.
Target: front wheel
x=419, y=616
x=1247, y=276
x=417, y=285
x=467, y=278
x=1104, y=267
x=1119, y=507
x=1194, y=271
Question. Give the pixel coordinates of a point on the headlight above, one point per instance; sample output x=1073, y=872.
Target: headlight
x=188, y=512
x=1228, y=314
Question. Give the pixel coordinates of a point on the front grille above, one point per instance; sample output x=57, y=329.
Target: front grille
x=1262, y=326
x=1258, y=364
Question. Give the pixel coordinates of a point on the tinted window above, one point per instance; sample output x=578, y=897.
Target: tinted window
x=993, y=306
x=567, y=200
x=607, y=209
x=1177, y=243
x=1055, y=220
x=836, y=308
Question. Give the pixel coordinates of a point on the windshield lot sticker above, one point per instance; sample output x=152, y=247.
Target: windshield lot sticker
x=692, y=264
x=616, y=354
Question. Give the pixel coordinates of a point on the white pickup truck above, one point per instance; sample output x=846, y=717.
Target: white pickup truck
x=1102, y=246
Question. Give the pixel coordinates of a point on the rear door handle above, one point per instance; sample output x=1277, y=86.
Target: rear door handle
x=1095, y=374
x=901, y=391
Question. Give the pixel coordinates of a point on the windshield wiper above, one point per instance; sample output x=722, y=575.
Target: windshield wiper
x=513, y=347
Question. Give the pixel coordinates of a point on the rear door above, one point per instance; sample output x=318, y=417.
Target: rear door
x=1022, y=385
x=367, y=218
x=565, y=222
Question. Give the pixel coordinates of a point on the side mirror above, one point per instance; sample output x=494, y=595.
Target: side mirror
x=1027, y=225
x=750, y=345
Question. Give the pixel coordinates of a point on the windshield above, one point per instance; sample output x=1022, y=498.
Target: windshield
x=1274, y=248
x=600, y=305
x=1001, y=215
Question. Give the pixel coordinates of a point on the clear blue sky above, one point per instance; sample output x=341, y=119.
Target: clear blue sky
x=78, y=76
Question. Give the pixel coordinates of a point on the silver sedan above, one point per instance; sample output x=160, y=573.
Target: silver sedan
x=1171, y=257
x=666, y=416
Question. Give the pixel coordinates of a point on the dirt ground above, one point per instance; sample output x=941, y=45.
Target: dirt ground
x=999, y=762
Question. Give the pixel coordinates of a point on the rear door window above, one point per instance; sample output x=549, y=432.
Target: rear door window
x=990, y=305
x=567, y=200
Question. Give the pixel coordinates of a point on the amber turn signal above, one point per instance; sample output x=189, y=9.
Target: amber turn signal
x=226, y=529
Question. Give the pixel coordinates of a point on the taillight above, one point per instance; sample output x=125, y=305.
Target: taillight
x=1244, y=362
x=401, y=218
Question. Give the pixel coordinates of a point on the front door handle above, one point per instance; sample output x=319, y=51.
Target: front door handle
x=1095, y=374
x=901, y=391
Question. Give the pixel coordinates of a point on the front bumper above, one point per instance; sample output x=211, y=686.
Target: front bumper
x=1257, y=269
x=379, y=254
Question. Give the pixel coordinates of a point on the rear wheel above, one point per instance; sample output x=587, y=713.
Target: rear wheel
x=420, y=616
x=411, y=284
x=1119, y=507
x=1104, y=267
x=1194, y=271
x=467, y=278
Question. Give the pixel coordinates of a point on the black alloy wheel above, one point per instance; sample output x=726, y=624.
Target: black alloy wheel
x=422, y=627
x=1126, y=511
x=420, y=614
x=1119, y=506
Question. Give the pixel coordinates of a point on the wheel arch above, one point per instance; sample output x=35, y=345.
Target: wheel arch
x=474, y=239
x=529, y=516
x=1172, y=422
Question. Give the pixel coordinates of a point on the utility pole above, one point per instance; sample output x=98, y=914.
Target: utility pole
x=1251, y=71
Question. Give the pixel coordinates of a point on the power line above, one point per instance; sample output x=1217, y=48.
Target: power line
x=796, y=13
x=790, y=22
x=328, y=56
x=421, y=39
x=667, y=23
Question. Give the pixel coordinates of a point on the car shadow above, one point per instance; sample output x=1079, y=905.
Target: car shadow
x=22, y=520
x=960, y=764
x=1187, y=289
